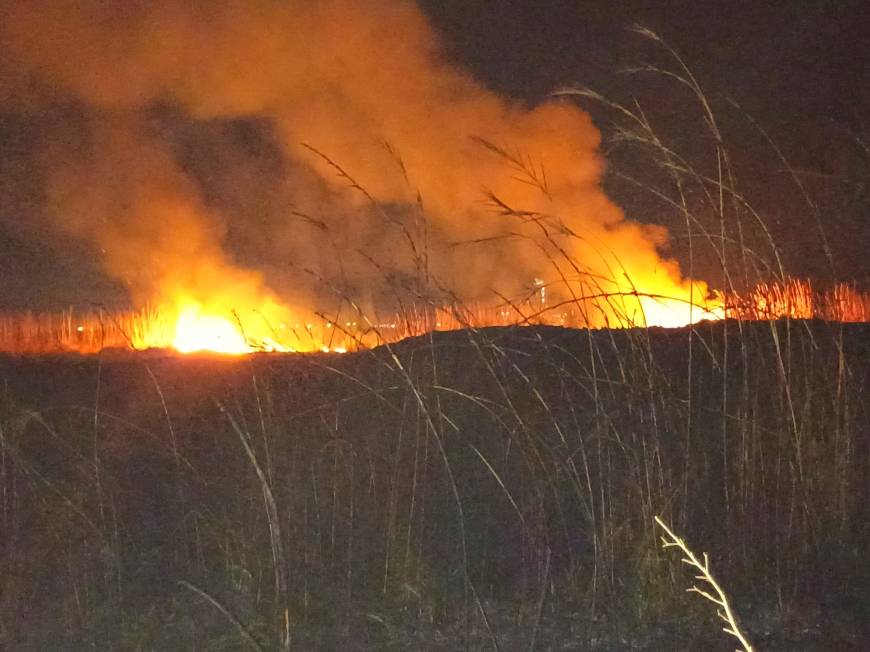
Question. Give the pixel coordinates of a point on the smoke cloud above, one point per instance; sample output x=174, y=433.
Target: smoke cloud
x=253, y=154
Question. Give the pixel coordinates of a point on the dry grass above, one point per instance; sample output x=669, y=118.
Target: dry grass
x=90, y=332
x=723, y=608
x=797, y=299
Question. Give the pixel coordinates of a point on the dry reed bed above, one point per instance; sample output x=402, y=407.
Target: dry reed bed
x=487, y=486
x=91, y=331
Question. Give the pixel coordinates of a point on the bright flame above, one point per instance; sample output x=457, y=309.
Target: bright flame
x=192, y=326
x=649, y=299
x=201, y=332
x=675, y=313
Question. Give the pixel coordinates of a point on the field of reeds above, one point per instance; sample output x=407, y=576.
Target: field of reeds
x=484, y=488
x=81, y=331
x=490, y=489
x=88, y=332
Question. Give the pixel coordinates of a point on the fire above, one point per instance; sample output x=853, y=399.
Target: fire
x=202, y=332
x=648, y=299
x=673, y=313
x=194, y=327
x=514, y=201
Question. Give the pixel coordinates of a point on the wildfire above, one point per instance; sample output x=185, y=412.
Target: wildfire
x=674, y=313
x=193, y=327
x=198, y=332
x=137, y=187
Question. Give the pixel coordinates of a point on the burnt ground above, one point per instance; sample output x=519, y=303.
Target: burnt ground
x=466, y=490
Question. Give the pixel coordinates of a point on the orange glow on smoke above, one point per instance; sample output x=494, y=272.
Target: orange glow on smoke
x=401, y=179
x=369, y=121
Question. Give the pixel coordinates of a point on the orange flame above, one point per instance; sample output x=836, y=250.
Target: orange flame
x=193, y=327
x=674, y=312
x=197, y=329
x=198, y=332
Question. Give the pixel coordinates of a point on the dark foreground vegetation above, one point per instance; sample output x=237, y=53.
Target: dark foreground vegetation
x=489, y=489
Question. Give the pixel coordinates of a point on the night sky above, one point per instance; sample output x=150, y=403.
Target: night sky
x=797, y=68
x=808, y=55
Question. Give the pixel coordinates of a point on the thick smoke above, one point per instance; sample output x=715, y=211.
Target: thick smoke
x=236, y=152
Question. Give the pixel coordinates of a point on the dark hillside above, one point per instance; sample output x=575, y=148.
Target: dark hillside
x=464, y=488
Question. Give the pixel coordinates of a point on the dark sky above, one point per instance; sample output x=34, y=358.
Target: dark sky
x=797, y=68
x=782, y=58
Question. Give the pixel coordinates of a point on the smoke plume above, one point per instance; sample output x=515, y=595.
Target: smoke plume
x=251, y=154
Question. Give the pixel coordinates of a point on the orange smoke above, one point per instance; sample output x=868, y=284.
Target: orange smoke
x=258, y=162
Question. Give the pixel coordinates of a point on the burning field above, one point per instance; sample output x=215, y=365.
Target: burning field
x=321, y=165
x=310, y=176
x=362, y=355
x=224, y=332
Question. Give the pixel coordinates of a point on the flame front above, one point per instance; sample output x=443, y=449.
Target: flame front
x=676, y=312
x=194, y=327
x=195, y=331
x=198, y=329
